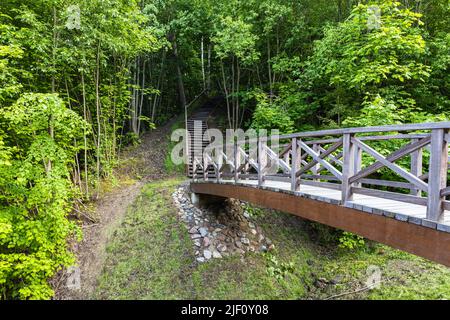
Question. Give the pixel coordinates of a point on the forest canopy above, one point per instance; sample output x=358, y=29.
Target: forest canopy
x=81, y=79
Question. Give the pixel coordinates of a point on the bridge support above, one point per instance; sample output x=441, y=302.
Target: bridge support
x=202, y=199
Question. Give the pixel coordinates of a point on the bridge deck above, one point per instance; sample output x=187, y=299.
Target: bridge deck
x=402, y=211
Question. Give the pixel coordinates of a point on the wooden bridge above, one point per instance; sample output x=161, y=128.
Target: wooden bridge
x=385, y=183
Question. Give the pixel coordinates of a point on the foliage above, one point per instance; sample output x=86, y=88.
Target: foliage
x=271, y=116
x=35, y=194
x=351, y=241
x=252, y=210
x=276, y=269
x=75, y=89
x=234, y=38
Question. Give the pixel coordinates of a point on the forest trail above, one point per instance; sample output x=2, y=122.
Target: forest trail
x=145, y=162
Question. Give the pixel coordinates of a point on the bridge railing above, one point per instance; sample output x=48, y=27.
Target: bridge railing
x=408, y=163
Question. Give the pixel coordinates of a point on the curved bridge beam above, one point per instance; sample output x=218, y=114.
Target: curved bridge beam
x=416, y=239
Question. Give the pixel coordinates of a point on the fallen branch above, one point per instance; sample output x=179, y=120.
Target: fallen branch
x=352, y=292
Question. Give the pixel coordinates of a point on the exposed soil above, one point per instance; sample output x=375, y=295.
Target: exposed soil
x=139, y=165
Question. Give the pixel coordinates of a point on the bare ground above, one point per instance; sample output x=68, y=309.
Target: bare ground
x=138, y=165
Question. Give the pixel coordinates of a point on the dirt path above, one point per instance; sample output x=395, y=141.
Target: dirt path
x=145, y=162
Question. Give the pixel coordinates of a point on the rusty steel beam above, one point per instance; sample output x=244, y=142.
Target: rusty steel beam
x=422, y=241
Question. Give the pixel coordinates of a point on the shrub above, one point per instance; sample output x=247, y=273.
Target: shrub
x=35, y=193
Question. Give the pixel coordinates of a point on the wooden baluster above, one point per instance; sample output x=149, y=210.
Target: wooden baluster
x=295, y=163
x=286, y=158
x=437, y=179
x=219, y=165
x=416, y=167
x=315, y=169
x=349, y=167
x=194, y=169
x=357, y=163
x=261, y=164
x=236, y=164
x=205, y=167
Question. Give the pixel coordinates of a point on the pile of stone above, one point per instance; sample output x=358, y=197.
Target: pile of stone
x=218, y=233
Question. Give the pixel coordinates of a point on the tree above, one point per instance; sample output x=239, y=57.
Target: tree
x=235, y=43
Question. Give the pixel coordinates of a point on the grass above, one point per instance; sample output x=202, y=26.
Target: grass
x=151, y=257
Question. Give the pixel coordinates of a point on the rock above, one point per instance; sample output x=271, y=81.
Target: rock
x=206, y=242
x=195, y=236
x=221, y=237
x=197, y=242
x=245, y=214
x=251, y=248
x=216, y=255
x=193, y=230
x=201, y=259
x=207, y=254
x=251, y=225
x=203, y=231
x=253, y=232
x=221, y=247
x=245, y=241
x=263, y=248
x=260, y=238
x=321, y=283
x=271, y=247
x=238, y=244
x=217, y=230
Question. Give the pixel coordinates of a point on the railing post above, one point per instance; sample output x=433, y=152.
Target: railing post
x=437, y=179
x=348, y=169
x=260, y=162
x=294, y=164
x=357, y=163
x=236, y=165
x=416, y=167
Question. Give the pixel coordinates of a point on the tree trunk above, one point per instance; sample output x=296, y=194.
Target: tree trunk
x=85, y=136
x=181, y=92
x=97, y=105
x=203, y=65
x=226, y=94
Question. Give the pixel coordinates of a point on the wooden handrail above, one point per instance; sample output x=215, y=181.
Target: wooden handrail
x=339, y=160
